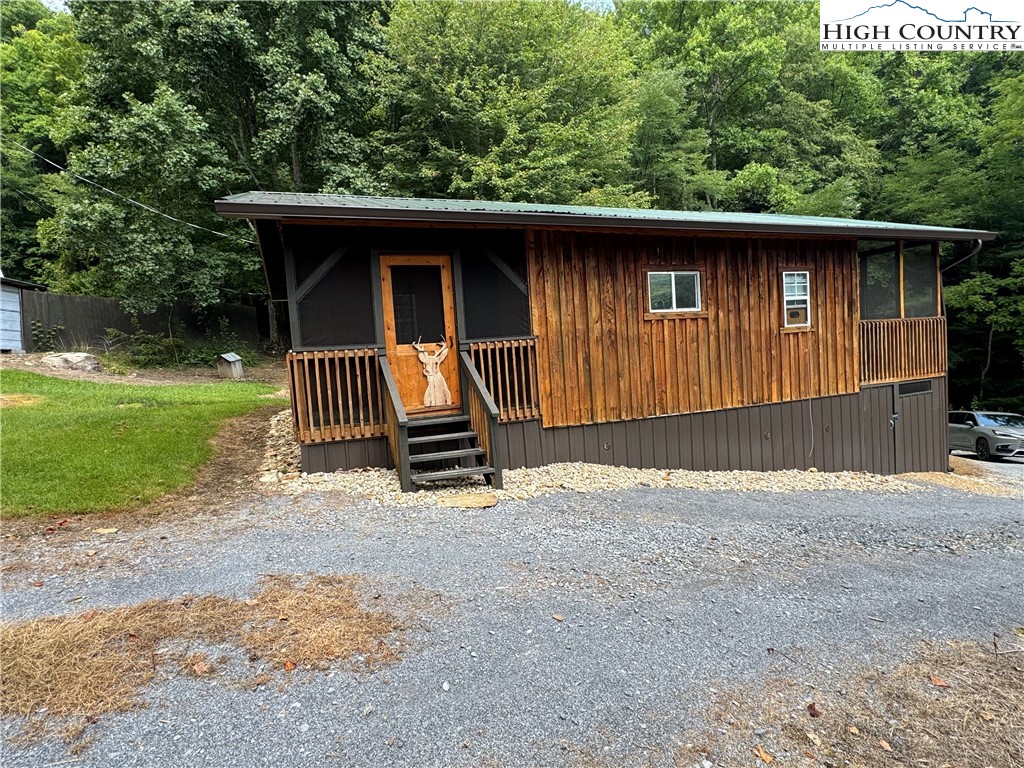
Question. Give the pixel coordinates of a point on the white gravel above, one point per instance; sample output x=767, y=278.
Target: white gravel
x=381, y=486
x=280, y=473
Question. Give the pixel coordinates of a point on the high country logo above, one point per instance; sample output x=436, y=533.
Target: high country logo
x=900, y=25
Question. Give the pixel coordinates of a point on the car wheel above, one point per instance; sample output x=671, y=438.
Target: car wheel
x=982, y=450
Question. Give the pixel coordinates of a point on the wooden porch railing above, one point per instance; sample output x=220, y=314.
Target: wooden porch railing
x=508, y=369
x=897, y=350
x=483, y=413
x=397, y=426
x=336, y=395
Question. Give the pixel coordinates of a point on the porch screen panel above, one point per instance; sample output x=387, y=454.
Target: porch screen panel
x=311, y=247
x=495, y=307
x=338, y=311
x=879, y=286
x=920, y=282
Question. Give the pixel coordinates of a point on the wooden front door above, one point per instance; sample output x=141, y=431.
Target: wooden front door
x=419, y=332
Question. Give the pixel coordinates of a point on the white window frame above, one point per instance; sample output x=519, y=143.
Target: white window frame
x=675, y=308
x=796, y=300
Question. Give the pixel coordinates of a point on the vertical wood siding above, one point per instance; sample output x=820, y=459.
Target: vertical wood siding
x=601, y=360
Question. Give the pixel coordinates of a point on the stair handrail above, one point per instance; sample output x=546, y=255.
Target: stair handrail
x=478, y=390
x=397, y=425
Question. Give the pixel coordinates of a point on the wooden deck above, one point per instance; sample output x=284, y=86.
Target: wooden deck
x=337, y=394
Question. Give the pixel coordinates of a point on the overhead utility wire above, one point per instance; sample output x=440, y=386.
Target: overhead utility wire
x=149, y=208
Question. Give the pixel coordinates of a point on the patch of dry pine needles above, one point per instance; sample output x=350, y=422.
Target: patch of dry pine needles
x=98, y=662
x=953, y=704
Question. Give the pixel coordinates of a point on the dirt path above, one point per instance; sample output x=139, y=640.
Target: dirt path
x=270, y=372
x=225, y=482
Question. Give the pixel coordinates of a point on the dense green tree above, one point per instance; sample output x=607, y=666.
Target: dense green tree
x=159, y=151
x=41, y=68
x=747, y=115
x=186, y=102
x=17, y=15
x=987, y=301
x=508, y=101
x=280, y=84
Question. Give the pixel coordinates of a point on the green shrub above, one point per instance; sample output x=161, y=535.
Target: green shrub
x=45, y=339
x=151, y=350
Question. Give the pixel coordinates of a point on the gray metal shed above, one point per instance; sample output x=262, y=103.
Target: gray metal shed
x=12, y=330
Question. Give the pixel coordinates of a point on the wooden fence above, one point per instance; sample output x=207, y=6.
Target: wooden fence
x=509, y=371
x=897, y=350
x=74, y=322
x=336, y=395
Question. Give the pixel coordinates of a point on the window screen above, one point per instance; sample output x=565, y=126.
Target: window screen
x=879, y=286
x=920, y=282
x=882, y=287
x=312, y=246
x=673, y=291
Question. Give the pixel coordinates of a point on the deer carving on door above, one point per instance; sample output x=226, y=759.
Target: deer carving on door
x=437, y=393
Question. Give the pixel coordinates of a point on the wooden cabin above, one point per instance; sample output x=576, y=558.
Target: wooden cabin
x=448, y=338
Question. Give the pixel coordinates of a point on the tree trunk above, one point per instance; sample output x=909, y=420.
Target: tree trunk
x=272, y=322
x=296, y=167
x=988, y=364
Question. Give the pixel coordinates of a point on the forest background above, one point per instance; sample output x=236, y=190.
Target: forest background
x=697, y=105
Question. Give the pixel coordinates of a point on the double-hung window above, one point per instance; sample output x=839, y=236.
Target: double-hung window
x=797, y=299
x=673, y=291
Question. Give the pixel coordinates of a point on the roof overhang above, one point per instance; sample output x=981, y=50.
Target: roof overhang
x=15, y=283
x=412, y=211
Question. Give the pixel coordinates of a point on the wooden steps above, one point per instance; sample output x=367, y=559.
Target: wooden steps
x=445, y=448
x=420, y=440
x=458, y=453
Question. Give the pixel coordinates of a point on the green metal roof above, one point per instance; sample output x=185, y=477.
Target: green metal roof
x=283, y=205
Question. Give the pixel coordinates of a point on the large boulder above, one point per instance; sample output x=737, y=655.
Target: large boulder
x=74, y=361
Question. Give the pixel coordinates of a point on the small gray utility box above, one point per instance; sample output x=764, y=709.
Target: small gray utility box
x=229, y=366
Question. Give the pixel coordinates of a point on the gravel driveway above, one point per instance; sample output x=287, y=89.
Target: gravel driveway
x=666, y=595
x=1011, y=471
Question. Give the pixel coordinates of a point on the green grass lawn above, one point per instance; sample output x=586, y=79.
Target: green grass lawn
x=86, y=446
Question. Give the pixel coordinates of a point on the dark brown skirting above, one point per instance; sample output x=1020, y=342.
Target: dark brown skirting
x=845, y=432
x=823, y=433
x=346, y=454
